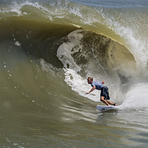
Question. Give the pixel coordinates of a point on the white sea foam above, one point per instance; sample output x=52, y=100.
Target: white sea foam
x=17, y=43
x=79, y=85
x=136, y=97
x=65, y=51
x=16, y=7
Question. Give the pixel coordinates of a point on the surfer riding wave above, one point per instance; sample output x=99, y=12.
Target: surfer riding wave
x=104, y=95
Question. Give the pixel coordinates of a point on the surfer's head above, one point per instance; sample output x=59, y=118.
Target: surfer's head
x=90, y=80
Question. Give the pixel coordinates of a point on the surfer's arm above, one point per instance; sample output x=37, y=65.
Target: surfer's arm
x=91, y=90
x=102, y=82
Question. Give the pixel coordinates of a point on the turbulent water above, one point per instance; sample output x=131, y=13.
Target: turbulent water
x=47, y=51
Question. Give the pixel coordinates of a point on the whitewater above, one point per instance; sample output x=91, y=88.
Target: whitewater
x=48, y=49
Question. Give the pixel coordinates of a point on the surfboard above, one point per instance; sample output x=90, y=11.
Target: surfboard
x=106, y=108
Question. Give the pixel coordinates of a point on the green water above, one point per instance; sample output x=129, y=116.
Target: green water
x=47, y=51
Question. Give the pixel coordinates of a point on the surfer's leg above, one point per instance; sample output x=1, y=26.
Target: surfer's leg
x=102, y=98
x=111, y=103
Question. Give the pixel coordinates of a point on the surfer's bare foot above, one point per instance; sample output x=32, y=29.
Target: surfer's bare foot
x=115, y=104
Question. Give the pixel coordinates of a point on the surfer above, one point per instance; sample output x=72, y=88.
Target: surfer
x=104, y=95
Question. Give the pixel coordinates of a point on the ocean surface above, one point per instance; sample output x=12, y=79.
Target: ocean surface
x=48, y=48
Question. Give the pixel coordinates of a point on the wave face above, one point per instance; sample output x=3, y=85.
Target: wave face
x=47, y=51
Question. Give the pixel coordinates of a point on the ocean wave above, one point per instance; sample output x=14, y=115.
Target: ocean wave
x=48, y=49
x=121, y=25
x=108, y=45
